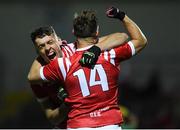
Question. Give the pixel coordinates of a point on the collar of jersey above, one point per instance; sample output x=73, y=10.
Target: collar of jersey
x=84, y=48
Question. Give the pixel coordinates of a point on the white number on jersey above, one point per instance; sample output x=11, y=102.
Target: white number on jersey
x=98, y=69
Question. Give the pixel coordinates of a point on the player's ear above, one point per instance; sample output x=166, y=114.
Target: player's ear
x=73, y=31
x=97, y=31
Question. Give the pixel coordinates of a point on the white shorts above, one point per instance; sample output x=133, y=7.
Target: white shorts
x=108, y=127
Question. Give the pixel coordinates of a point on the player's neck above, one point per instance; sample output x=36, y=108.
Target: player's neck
x=84, y=42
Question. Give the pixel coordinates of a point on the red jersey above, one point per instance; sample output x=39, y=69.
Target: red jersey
x=92, y=93
x=68, y=49
x=48, y=91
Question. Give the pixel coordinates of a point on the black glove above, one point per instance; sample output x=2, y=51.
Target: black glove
x=62, y=94
x=114, y=12
x=90, y=57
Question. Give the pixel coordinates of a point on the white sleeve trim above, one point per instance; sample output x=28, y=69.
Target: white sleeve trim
x=112, y=56
x=42, y=74
x=62, y=67
x=106, y=55
x=133, y=51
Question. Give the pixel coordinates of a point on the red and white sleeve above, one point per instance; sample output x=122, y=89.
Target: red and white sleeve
x=49, y=72
x=118, y=54
x=125, y=51
x=55, y=70
x=68, y=49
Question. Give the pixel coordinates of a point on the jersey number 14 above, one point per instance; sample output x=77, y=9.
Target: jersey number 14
x=98, y=69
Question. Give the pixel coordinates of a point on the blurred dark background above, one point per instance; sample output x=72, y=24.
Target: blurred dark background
x=149, y=82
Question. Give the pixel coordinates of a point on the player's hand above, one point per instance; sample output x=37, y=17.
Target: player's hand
x=90, y=57
x=114, y=12
x=62, y=94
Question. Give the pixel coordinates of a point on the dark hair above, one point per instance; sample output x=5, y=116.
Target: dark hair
x=41, y=32
x=85, y=24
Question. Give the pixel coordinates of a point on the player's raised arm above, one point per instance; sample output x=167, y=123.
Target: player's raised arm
x=90, y=57
x=137, y=37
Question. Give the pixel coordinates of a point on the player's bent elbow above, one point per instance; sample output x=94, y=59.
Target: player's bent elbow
x=31, y=78
x=139, y=44
x=144, y=41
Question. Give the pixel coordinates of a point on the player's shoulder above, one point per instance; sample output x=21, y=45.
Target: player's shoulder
x=70, y=47
x=65, y=43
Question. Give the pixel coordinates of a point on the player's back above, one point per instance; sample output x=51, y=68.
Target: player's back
x=92, y=93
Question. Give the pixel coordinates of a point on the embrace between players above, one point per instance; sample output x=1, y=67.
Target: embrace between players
x=76, y=83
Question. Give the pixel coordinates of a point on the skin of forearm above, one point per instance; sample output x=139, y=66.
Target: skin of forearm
x=133, y=30
x=112, y=41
